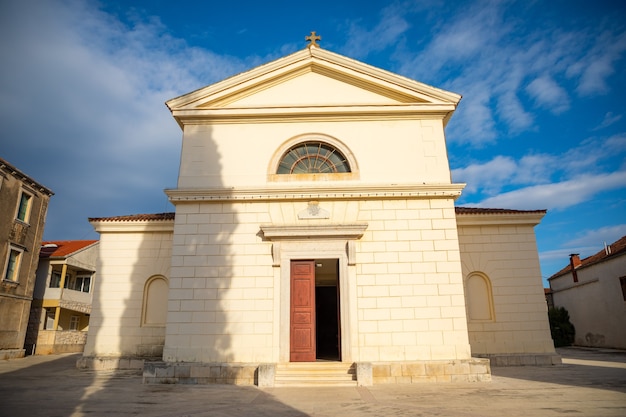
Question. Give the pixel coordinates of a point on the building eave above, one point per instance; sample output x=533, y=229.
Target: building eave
x=529, y=218
x=146, y=226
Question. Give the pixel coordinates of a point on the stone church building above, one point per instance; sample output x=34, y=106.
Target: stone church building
x=315, y=232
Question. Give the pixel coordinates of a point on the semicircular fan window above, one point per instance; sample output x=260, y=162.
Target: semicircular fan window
x=313, y=158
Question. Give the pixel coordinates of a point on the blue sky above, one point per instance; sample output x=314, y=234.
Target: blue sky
x=541, y=124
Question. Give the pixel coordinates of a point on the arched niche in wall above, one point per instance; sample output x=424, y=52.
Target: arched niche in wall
x=155, y=296
x=479, y=297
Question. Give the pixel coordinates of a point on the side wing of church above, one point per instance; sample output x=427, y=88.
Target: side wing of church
x=315, y=224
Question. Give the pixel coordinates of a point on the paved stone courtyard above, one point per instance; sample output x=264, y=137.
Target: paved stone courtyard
x=591, y=382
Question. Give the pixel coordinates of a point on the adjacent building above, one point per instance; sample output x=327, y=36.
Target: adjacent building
x=593, y=290
x=315, y=223
x=23, y=208
x=61, y=306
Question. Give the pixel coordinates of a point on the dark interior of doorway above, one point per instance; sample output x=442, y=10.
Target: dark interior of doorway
x=328, y=332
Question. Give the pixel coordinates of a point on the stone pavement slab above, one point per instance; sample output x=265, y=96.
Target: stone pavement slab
x=591, y=382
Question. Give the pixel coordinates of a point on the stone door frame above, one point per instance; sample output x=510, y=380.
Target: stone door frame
x=331, y=241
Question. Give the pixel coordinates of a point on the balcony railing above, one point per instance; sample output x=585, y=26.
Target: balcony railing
x=67, y=295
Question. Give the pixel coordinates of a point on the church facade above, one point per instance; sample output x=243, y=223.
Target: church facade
x=315, y=223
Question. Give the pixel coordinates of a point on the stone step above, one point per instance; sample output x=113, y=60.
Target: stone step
x=315, y=374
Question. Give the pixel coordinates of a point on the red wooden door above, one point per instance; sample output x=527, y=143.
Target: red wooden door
x=302, y=311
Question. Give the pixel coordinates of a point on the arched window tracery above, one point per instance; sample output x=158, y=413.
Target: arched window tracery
x=313, y=157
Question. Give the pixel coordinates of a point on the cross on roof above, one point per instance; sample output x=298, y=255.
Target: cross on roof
x=313, y=37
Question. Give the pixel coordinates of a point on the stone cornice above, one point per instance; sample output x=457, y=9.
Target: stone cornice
x=310, y=114
x=327, y=231
x=500, y=219
x=316, y=192
x=133, y=226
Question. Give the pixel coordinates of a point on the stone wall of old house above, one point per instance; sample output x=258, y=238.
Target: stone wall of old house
x=16, y=296
x=60, y=341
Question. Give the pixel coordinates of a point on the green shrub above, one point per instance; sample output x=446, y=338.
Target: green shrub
x=561, y=328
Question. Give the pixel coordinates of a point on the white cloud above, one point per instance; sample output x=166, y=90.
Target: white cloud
x=490, y=176
x=607, y=234
x=558, y=195
x=473, y=121
x=548, y=94
x=599, y=63
x=595, y=156
x=535, y=169
x=509, y=71
x=586, y=243
x=592, y=154
x=609, y=119
x=513, y=113
x=472, y=33
x=96, y=90
x=387, y=32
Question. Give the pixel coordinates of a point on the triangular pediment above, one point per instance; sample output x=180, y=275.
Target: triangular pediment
x=312, y=86
x=312, y=78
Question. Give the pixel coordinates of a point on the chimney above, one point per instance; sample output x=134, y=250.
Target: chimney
x=574, y=262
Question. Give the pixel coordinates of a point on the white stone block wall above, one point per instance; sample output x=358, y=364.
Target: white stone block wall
x=409, y=283
x=507, y=255
x=221, y=306
x=126, y=261
x=225, y=295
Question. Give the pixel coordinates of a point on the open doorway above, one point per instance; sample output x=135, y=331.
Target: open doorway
x=328, y=331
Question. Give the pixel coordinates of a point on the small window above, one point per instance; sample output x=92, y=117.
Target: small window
x=82, y=283
x=622, y=282
x=49, y=322
x=313, y=158
x=13, y=265
x=55, y=279
x=23, y=210
x=68, y=281
x=74, y=322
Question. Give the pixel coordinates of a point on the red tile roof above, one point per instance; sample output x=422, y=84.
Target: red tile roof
x=479, y=210
x=135, y=218
x=63, y=248
x=616, y=248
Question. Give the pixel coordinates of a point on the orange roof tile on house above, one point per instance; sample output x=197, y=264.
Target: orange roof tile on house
x=616, y=248
x=63, y=248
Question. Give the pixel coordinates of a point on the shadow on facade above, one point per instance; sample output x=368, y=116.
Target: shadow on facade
x=204, y=303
